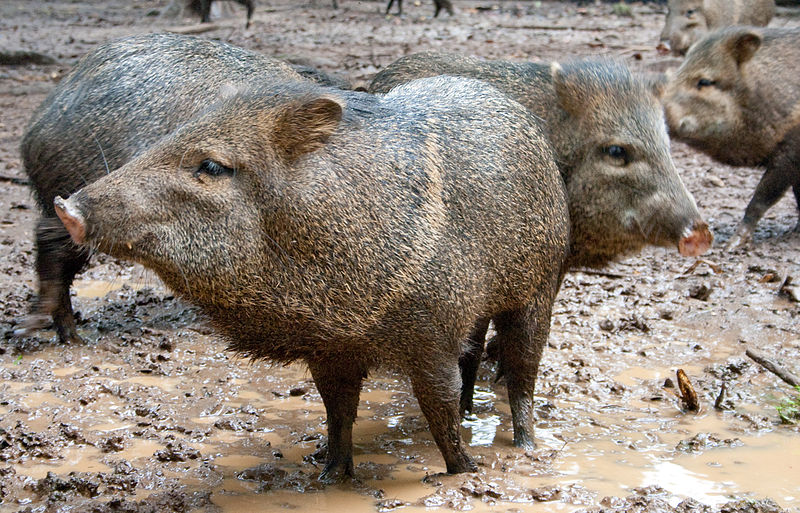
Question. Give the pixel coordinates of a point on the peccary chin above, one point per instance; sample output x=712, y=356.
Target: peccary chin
x=277, y=204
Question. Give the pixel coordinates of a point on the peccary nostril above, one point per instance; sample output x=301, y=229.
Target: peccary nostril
x=696, y=241
x=72, y=219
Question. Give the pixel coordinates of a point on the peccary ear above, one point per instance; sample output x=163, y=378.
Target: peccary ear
x=304, y=127
x=570, y=96
x=743, y=44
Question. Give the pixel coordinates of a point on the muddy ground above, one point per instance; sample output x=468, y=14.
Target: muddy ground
x=152, y=414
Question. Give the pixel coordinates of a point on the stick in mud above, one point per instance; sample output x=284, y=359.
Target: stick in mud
x=773, y=367
x=688, y=395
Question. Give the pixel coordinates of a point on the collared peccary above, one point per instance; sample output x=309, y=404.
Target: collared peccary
x=438, y=5
x=689, y=20
x=203, y=9
x=736, y=97
x=116, y=101
x=607, y=128
x=348, y=230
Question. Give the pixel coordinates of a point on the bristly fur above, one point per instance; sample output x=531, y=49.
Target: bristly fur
x=400, y=220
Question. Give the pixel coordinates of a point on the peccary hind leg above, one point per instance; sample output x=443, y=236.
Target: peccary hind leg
x=469, y=363
x=521, y=337
x=339, y=384
x=58, y=260
x=436, y=382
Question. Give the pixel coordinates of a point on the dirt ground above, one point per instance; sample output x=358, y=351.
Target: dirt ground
x=153, y=415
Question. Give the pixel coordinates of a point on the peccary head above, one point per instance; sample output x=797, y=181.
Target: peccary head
x=686, y=23
x=624, y=191
x=709, y=102
x=198, y=206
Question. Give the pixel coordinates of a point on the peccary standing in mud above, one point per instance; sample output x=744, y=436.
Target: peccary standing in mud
x=347, y=230
x=689, y=20
x=438, y=5
x=736, y=97
x=203, y=9
x=118, y=100
x=607, y=128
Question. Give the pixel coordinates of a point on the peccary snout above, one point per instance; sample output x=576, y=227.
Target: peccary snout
x=696, y=241
x=72, y=219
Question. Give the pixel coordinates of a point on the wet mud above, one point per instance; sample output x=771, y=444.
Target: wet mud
x=152, y=414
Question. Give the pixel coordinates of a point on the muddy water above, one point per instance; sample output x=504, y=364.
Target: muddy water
x=593, y=450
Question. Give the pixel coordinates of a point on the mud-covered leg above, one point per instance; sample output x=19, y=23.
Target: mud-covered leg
x=521, y=337
x=796, y=190
x=339, y=384
x=58, y=260
x=436, y=383
x=469, y=363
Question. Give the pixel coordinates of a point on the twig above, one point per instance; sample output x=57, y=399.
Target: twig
x=555, y=27
x=18, y=57
x=773, y=367
x=14, y=180
x=607, y=274
x=196, y=29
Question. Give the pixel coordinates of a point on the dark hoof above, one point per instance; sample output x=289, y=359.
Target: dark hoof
x=336, y=472
x=465, y=464
x=524, y=442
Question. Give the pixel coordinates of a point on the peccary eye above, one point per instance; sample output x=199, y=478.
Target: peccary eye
x=617, y=152
x=704, y=82
x=689, y=12
x=212, y=168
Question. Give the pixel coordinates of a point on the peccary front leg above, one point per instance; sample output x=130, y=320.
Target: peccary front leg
x=339, y=383
x=469, y=363
x=435, y=382
x=399, y=7
x=774, y=183
x=58, y=260
x=521, y=337
x=443, y=3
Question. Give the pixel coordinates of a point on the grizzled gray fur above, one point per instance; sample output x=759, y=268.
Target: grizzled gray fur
x=689, y=20
x=736, y=97
x=117, y=101
x=348, y=231
x=607, y=128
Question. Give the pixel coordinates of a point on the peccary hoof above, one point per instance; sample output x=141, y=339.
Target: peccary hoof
x=337, y=471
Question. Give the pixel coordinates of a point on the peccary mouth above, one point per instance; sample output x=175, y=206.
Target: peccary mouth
x=696, y=240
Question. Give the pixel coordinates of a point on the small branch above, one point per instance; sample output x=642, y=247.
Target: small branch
x=773, y=367
x=14, y=180
x=196, y=29
x=607, y=274
x=17, y=57
x=553, y=27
